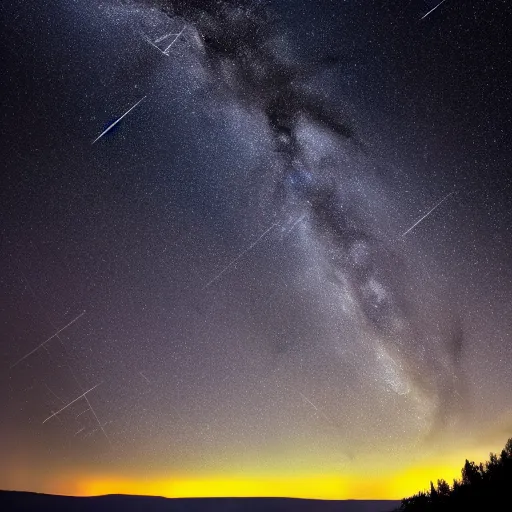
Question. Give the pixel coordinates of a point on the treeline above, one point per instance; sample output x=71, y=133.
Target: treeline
x=482, y=487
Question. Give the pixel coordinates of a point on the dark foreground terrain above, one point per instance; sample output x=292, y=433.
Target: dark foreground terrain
x=17, y=501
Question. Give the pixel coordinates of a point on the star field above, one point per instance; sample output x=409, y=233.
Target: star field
x=253, y=248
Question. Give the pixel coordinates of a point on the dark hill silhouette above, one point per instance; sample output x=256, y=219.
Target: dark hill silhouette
x=482, y=487
x=12, y=501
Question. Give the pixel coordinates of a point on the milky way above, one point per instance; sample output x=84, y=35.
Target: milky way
x=272, y=265
x=242, y=48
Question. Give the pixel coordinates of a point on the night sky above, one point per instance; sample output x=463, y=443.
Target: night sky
x=285, y=272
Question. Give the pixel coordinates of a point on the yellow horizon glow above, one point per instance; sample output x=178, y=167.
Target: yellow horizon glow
x=323, y=487
x=392, y=483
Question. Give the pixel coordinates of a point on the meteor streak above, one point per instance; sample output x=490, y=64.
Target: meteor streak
x=229, y=265
x=145, y=378
x=174, y=40
x=50, y=338
x=71, y=403
x=146, y=38
x=428, y=213
x=115, y=122
x=432, y=10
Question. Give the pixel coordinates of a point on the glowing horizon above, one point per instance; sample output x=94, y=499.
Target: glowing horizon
x=331, y=486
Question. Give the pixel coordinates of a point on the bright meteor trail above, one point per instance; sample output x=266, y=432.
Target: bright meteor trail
x=432, y=10
x=115, y=122
x=428, y=213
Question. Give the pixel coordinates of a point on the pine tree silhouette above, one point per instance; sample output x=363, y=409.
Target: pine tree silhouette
x=482, y=487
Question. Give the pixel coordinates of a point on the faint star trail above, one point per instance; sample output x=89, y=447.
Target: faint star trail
x=146, y=38
x=174, y=40
x=227, y=267
x=164, y=37
x=96, y=417
x=309, y=401
x=145, y=378
x=83, y=395
x=428, y=213
x=78, y=432
x=319, y=411
x=294, y=225
x=54, y=394
x=90, y=408
x=50, y=338
x=93, y=431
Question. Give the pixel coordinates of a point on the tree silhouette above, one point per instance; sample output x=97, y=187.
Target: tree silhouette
x=508, y=448
x=482, y=487
x=470, y=473
x=443, y=489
